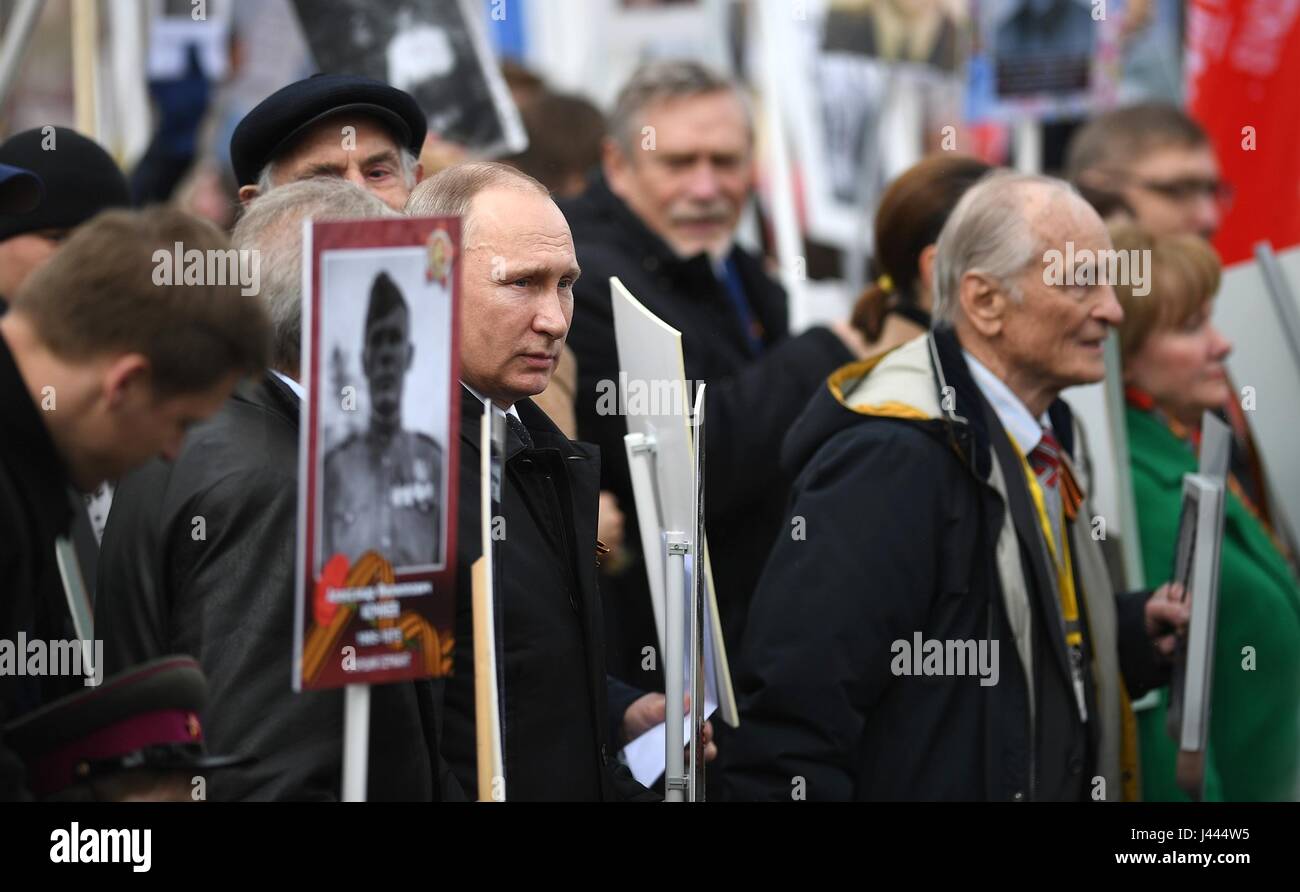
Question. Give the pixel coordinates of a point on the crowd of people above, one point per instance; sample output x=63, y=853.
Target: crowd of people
x=908, y=473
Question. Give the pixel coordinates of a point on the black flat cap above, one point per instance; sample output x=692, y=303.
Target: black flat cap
x=145, y=717
x=81, y=179
x=280, y=118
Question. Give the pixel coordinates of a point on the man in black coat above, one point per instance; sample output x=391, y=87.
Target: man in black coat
x=80, y=180
x=89, y=388
x=517, y=280
x=199, y=558
x=662, y=216
x=945, y=627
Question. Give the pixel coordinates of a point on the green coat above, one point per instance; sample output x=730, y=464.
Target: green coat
x=1254, y=751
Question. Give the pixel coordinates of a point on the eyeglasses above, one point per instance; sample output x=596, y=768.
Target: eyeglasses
x=1187, y=189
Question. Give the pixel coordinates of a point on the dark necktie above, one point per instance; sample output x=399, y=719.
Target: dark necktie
x=517, y=428
x=735, y=290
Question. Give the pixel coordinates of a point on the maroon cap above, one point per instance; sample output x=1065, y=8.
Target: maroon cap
x=145, y=717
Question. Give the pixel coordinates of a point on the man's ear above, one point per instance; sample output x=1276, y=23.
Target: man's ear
x=983, y=303
x=419, y=172
x=126, y=373
x=1102, y=180
x=410, y=355
x=615, y=165
x=925, y=263
x=248, y=193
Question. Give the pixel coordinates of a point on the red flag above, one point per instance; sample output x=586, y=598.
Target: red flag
x=1243, y=87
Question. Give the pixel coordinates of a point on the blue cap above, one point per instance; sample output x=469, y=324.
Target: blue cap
x=20, y=190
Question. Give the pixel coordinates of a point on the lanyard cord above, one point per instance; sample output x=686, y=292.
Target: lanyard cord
x=1064, y=578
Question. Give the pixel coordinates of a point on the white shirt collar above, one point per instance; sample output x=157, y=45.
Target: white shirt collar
x=1013, y=414
x=482, y=399
x=291, y=384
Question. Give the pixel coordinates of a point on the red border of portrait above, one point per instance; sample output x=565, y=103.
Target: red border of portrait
x=359, y=618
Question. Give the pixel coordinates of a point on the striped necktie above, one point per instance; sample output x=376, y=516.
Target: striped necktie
x=1045, y=459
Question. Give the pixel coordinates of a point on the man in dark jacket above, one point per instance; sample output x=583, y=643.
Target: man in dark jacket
x=199, y=558
x=80, y=180
x=517, y=302
x=662, y=216
x=100, y=369
x=944, y=626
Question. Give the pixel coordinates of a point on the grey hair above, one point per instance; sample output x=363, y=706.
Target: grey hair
x=990, y=231
x=451, y=191
x=272, y=226
x=406, y=161
x=667, y=79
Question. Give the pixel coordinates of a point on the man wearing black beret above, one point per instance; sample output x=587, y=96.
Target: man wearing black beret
x=331, y=125
x=80, y=178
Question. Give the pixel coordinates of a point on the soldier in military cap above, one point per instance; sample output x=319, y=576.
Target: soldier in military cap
x=383, y=487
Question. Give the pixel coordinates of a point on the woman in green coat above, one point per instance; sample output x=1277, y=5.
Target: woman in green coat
x=1173, y=372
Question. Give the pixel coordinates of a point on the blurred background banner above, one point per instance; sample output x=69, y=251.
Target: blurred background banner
x=1243, y=86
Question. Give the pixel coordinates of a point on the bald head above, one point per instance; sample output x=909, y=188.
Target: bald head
x=1016, y=277
x=1001, y=226
x=517, y=276
x=451, y=192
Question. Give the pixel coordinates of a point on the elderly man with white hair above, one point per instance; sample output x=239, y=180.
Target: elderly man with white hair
x=944, y=626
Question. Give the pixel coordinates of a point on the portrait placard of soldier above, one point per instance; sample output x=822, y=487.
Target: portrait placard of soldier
x=380, y=365
x=383, y=478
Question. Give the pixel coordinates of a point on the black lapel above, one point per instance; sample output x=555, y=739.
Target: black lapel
x=581, y=463
x=274, y=395
x=766, y=298
x=961, y=401
x=1025, y=517
x=582, y=478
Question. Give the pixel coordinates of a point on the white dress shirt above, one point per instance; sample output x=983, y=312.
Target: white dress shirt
x=1026, y=432
x=482, y=399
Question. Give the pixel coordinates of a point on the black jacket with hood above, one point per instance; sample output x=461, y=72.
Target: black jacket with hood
x=910, y=514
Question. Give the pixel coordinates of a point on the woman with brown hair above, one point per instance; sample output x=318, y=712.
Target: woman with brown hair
x=896, y=306
x=1173, y=360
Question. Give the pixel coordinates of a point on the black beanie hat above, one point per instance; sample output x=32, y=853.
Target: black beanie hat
x=81, y=179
